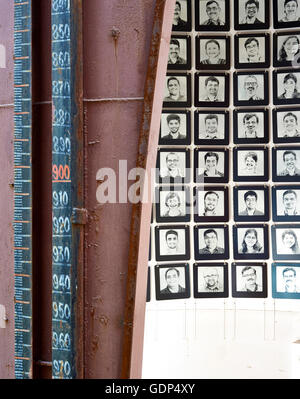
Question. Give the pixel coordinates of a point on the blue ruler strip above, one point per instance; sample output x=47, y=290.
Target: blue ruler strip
x=22, y=189
x=63, y=318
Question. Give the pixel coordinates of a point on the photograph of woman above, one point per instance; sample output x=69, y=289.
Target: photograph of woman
x=213, y=53
x=290, y=49
x=289, y=243
x=173, y=204
x=250, y=164
x=250, y=244
x=290, y=87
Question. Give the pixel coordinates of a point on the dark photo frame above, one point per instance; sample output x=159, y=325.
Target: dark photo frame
x=252, y=17
x=210, y=280
x=286, y=280
x=284, y=49
x=250, y=88
x=282, y=17
x=150, y=245
x=284, y=164
x=211, y=127
x=251, y=126
x=180, y=56
x=178, y=85
x=171, y=274
x=211, y=204
x=175, y=128
x=286, y=125
x=251, y=203
x=210, y=160
x=148, y=293
x=213, y=52
x=169, y=244
x=174, y=167
x=249, y=280
x=255, y=161
x=212, y=89
x=183, y=22
x=173, y=204
x=285, y=241
x=211, y=242
x=286, y=203
x=214, y=19
x=250, y=237
x=283, y=82
x=252, y=50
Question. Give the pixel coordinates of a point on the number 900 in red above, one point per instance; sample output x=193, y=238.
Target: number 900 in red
x=60, y=172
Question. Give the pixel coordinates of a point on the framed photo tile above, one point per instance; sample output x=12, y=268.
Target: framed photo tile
x=250, y=164
x=180, y=57
x=286, y=14
x=172, y=281
x=251, y=203
x=177, y=90
x=285, y=241
x=173, y=165
x=249, y=280
x=250, y=241
x=211, y=165
x=251, y=126
x=286, y=49
x=251, y=14
x=286, y=280
x=212, y=16
x=286, y=164
x=210, y=280
x=211, y=127
x=286, y=125
x=211, y=204
x=172, y=204
x=148, y=294
x=212, y=90
x=211, y=242
x=172, y=243
x=286, y=203
x=175, y=128
x=252, y=50
x=212, y=52
x=286, y=87
x=182, y=20
x=250, y=88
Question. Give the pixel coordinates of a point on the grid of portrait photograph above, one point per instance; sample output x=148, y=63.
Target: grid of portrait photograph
x=226, y=212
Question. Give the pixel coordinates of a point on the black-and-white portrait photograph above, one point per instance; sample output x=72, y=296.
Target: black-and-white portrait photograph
x=286, y=49
x=210, y=280
x=179, y=53
x=250, y=164
x=172, y=281
x=285, y=241
x=251, y=88
x=211, y=166
x=213, y=52
x=177, y=90
x=286, y=125
x=249, y=280
x=251, y=203
x=286, y=203
x=286, y=14
x=211, y=204
x=212, y=15
x=182, y=20
x=211, y=127
x=252, y=50
x=173, y=165
x=148, y=294
x=251, y=126
x=286, y=164
x=286, y=280
x=250, y=241
x=286, y=87
x=172, y=242
x=211, y=242
x=251, y=14
x=212, y=90
x=175, y=128
x=172, y=204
